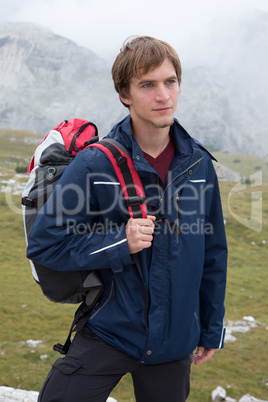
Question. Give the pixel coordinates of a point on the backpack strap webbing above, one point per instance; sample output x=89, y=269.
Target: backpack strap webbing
x=80, y=318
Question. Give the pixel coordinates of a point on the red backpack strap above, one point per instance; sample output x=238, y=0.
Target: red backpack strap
x=127, y=175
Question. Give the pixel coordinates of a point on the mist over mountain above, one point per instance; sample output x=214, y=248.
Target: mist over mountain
x=224, y=99
x=46, y=78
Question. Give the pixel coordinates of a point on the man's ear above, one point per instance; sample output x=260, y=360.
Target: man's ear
x=125, y=98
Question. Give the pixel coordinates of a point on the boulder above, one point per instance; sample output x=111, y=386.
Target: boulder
x=8, y=394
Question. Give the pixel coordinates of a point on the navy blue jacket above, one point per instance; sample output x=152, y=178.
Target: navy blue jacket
x=82, y=226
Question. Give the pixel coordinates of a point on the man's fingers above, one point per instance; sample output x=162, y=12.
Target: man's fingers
x=141, y=225
x=144, y=221
x=147, y=229
x=140, y=233
x=202, y=355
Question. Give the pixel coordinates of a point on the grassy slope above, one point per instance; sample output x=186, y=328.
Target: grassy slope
x=247, y=165
x=26, y=314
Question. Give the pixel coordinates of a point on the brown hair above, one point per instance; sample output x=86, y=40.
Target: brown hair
x=137, y=57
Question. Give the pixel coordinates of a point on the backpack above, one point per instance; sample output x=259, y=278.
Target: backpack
x=57, y=150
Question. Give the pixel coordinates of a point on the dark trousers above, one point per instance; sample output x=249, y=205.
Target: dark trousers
x=92, y=368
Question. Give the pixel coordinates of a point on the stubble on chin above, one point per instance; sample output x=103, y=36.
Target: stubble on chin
x=164, y=124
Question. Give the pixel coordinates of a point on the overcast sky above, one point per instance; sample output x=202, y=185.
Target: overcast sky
x=103, y=25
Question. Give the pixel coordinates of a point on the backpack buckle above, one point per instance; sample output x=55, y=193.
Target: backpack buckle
x=134, y=201
x=59, y=348
x=121, y=160
x=27, y=202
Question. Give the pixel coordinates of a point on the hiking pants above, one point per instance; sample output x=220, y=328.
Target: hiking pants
x=92, y=368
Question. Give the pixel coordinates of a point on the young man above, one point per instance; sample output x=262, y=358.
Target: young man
x=181, y=245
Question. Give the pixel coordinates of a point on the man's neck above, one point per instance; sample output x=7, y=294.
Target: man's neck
x=152, y=140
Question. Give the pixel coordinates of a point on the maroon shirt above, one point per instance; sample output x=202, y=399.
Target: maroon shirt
x=163, y=161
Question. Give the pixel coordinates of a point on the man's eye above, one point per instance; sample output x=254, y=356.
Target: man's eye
x=148, y=85
x=170, y=82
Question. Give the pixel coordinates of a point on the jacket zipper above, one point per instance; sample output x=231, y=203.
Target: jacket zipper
x=112, y=290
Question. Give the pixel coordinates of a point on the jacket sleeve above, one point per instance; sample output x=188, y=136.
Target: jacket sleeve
x=68, y=233
x=212, y=291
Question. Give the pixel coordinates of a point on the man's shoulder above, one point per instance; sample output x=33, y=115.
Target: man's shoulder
x=191, y=141
x=90, y=158
x=204, y=149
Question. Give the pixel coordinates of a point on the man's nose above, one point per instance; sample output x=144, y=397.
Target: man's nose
x=162, y=94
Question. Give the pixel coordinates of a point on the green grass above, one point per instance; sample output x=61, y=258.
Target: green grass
x=241, y=367
x=17, y=146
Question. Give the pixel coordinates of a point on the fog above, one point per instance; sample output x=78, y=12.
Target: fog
x=103, y=26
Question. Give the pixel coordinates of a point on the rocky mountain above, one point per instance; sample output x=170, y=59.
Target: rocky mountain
x=45, y=78
x=224, y=100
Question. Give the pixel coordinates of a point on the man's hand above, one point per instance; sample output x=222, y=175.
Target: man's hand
x=202, y=355
x=140, y=233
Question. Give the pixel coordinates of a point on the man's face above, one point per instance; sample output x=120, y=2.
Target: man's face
x=153, y=97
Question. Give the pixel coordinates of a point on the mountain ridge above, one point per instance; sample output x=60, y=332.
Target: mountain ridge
x=46, y=78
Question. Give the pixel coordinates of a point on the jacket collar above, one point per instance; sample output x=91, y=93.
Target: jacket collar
x=187, y=152
x=122, y=132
